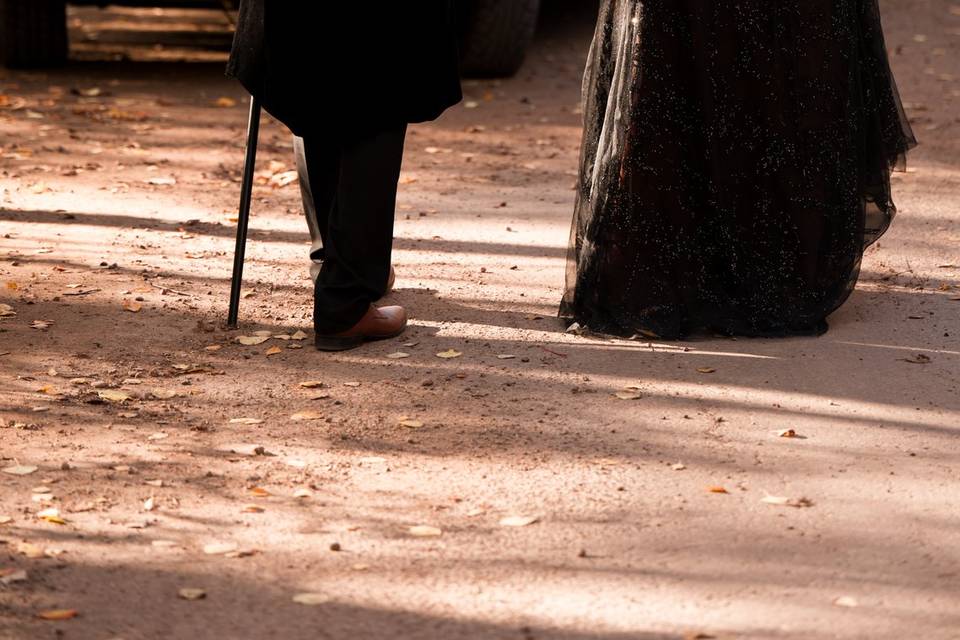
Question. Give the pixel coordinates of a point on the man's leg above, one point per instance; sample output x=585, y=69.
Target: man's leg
x=359, y=233
x=318, y=184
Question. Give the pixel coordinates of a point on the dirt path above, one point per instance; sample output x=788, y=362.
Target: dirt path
x=157, y=435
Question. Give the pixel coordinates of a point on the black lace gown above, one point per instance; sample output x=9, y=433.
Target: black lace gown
x=736, y=163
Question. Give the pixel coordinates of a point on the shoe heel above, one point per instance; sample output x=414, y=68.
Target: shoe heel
x=331, y=343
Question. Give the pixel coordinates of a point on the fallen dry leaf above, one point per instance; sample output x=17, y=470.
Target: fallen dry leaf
x=272, y=351
x=306, y=416
x=312, y=384
x=112, y=395
x=425, y=531
x=191, y=594
x=224, y=102
x=302, y=493
x=149, y=504
x=787, y=433
x=299, y=335
x=41, y=325
x=311, y=599
x=706, y=370
x=132, y=306
x=678, y=466
x=259, y=492
x=411, y=424
x=163, y=544
x=5, y=520
x=246, y=421
x=52, y=516
x=518, y=521
x=252, y=341
x=20, y=470
x=280, y=180
x=6, y=311
x=717, y=490
x=30, y=550
x=163, y=394
x=449, y=354
x=252, y=508
x=58, y=614
x=787, y=502
x=399, y=355
x=628, y=395
x=606, y=462
x=11, y=575
x=846, y=601
x=219, y=548
x=506, y=356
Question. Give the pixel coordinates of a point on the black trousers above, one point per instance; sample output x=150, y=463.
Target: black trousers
x=348, y=181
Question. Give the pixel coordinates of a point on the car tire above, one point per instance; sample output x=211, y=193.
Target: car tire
x=495, y=35
x=33, y=33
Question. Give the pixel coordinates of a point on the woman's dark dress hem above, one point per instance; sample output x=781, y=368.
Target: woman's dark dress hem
x=735, y=165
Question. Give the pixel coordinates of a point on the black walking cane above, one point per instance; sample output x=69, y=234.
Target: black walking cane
x=243, y=220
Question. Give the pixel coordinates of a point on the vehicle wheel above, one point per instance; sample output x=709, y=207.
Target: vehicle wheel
x=495, y=35
x=33, y=33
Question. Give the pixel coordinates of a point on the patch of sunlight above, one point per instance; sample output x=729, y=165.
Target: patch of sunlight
x=445, y=329
x=744, y=396
x=893, y=347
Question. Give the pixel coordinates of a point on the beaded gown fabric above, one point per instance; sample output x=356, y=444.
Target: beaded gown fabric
x=736, y=163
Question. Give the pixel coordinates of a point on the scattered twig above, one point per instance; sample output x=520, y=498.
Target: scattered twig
x=556, y=353
x=165, y=289
x=83, y=292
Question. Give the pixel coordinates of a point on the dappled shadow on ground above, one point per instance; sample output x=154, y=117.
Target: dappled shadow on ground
x=670, y=589
x=143, y=604
x=829, y=376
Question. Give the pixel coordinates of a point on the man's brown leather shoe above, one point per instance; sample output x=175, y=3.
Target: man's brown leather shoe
x=377, y=324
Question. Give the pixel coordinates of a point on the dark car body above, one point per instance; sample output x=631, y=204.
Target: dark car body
x=494, y=34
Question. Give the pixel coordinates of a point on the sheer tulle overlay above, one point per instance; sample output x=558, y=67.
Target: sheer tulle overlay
x=736, y=162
